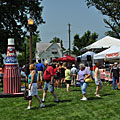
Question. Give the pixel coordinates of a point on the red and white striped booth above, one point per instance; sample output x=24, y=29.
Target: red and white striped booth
x=12, y=78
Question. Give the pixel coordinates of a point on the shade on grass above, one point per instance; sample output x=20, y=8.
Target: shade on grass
x=69, y=108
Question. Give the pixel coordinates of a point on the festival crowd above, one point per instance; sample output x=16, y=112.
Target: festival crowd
x=58, y=74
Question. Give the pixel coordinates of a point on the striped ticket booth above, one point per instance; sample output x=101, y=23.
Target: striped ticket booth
x=12, y=78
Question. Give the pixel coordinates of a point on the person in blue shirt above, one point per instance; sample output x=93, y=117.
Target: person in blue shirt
x=40, y=68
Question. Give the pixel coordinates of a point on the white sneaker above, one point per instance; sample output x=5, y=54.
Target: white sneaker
x=42, y=105
x=84, y=99
x=28, y=108
x=98, y=96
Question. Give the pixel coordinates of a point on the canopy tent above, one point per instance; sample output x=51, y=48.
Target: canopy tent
x=105, y=42
x=112, y=52
x=84, y=56
x=58, y=59
x=69, y=56
x=66, y=58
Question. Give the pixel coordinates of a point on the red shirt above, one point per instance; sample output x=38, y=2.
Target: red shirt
x=48, y=73
x=92, y=68
x=55, y=70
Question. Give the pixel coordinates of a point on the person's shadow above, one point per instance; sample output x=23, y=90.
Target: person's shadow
x=94, y=98
x=107, y=94
x=62, y=101
x=46, y=106
x=75, y=90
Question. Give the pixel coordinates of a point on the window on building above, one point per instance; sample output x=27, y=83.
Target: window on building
x=54, y=51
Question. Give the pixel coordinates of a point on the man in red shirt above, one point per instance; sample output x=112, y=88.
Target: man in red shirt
x=49, y=81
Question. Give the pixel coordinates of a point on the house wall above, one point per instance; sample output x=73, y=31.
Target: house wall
x=47, y=55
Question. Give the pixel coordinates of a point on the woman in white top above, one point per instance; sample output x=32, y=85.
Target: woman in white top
x=98, y=81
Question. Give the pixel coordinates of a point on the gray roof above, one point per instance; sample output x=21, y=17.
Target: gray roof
x=43, y=46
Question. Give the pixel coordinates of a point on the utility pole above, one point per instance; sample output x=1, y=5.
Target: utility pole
x=69, y=37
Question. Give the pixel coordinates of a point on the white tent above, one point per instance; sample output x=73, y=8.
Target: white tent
x=112, y=52
x=84, y=56
x=105, y=42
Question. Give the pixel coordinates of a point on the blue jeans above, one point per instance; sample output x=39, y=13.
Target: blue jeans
x=114, y=81
x=83, y=87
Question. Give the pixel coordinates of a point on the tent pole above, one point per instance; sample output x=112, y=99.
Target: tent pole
x=93, y=63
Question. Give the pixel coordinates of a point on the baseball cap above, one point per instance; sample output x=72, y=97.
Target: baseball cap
x=73, y=65
x=46, y=62
x=115, y=63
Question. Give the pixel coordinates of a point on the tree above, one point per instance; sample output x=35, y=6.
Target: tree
x=55, y=40
x=14, y=15
x=110, y=8
x=21, y=57
x=80, y=42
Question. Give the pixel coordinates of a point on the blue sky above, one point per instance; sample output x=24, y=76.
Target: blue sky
x=59, y=13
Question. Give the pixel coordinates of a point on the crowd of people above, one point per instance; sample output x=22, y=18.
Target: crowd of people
x=57, y=74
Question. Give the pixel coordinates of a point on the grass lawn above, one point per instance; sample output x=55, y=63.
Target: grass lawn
x=69, y=108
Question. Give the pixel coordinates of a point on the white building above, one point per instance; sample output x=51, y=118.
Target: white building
x=48, y=51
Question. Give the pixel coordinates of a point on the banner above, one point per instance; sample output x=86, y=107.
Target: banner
x=112, y=55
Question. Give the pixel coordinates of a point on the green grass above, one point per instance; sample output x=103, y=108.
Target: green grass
x=70, y=108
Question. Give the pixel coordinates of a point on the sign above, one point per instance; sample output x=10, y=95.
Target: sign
x=111, y=55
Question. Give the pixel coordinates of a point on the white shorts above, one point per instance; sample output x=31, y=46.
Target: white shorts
x=33, y=90
x=97, y=83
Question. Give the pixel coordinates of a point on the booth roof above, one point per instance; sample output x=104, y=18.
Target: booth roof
x=105, y=42
x=110, y=50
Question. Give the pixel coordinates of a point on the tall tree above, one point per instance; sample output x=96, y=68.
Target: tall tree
x=110, y=8
x=55, y=40
x=14, y=15
x=80, y=42
x=21, y=57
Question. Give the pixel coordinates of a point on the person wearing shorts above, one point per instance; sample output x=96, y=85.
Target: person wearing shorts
x=40, y=68
x=62, y=73
x=49, y=81
x=98, y=81
x=68, y=77
x=32, y=86
x=56, y=76
x=74, y=74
